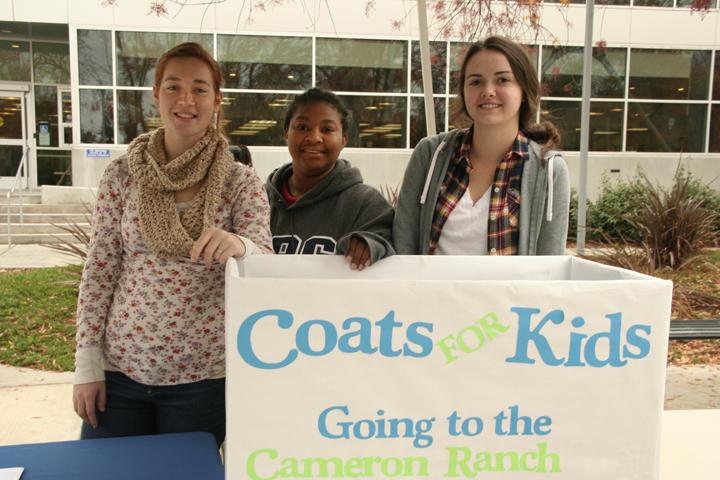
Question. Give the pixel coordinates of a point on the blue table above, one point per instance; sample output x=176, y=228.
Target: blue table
x=178, y=456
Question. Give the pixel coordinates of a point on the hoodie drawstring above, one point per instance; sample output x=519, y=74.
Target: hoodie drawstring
x=550, y=184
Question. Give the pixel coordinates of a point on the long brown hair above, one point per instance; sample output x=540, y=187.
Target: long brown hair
x=192, y=50
x=544, y=133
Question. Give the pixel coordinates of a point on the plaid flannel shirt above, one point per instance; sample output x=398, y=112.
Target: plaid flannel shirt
x=504, y=214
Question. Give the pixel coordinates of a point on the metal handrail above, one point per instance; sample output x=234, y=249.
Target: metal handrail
x=21, y=169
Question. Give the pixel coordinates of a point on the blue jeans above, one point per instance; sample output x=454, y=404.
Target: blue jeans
x=136, y=409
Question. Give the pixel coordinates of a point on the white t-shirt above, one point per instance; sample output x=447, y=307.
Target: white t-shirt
x=466, y=229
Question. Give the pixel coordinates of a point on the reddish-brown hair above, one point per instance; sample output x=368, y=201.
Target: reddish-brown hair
x=191, y=50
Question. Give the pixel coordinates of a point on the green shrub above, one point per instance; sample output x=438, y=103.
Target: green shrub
x=608, y=218
x=573, y=215
x=674, y=224
x=708, y=197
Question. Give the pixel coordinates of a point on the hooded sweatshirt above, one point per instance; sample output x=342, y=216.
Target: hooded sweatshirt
x=544, y=198
x=323, y=220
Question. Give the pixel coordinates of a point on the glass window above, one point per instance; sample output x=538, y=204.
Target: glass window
x=361, y=65
x=262, y=62
x=663, y=127
x=457, y=53
x=138, y=52
x=66, y=107
x=565, y=114
x=51, y=62
x=418, y=127
x=50, y=31
x=689, y=3
x=11, y=114
x=137, y=114
x=96, y=116
x=46, y=116
x=54, y=167
x=15, y=29
x=563, y=68
x=716, y=77
x=438, y=67
x=715, y=129
x=669, y=74
x=653, y=3
x=14, y=61
x=562, y=71
x=608, y=72
x=533, y=52
x=255, y=118
x=612, y=2
x=10, y=156
x=66, y=117
x=94, y=57
x=606, y=126
x=377, y=122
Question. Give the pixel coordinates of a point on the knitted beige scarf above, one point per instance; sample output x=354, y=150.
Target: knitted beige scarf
x=164, y=230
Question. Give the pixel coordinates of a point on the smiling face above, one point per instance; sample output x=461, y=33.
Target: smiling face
x=187, y=100
x=492, y=94
x=315, y=138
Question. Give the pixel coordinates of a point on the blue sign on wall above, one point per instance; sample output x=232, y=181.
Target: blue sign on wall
x=97, y=152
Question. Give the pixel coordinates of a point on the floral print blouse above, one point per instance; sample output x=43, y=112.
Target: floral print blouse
x=158, y=320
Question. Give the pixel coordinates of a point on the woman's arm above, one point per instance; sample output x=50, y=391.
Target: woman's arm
x=251, y=214
x=97, y=287
x=100, y=273
x=249, y=231
x=406, y=225
x=370, y=238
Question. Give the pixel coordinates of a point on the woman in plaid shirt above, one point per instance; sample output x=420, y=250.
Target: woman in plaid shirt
x=496, y=187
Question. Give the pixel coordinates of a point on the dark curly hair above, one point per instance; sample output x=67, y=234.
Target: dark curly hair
x=318, y=95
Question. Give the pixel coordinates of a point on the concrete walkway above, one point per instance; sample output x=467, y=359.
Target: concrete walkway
x=37, y=406
x=33, y=256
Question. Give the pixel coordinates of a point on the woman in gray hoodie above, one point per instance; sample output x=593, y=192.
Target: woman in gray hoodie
x=496, y=187
x=319, y=203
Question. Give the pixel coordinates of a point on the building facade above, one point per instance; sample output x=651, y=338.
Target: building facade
x=76, y=81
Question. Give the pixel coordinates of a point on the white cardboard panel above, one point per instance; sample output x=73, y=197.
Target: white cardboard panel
x=318, y=355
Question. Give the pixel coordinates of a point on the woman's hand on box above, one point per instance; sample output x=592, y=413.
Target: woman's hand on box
x=217, y=245
x=358, y=254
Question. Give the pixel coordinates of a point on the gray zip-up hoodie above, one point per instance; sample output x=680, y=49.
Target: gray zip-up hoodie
x=543, y=231
x=325, y=218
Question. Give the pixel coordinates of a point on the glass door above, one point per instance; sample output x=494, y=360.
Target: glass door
x=53, y=127
x=65, y=109
x=13, y=137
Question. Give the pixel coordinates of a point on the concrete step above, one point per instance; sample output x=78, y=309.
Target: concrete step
x=36, y=238
x=45, y=208
x=21, y=197
x=39, y=228
x=49, y=218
